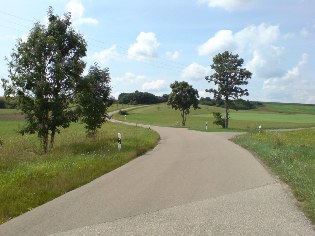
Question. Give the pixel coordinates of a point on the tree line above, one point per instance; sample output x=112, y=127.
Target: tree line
x=141, y=98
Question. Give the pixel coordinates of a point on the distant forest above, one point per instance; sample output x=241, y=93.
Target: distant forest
x=239, y=104
x=141, y=98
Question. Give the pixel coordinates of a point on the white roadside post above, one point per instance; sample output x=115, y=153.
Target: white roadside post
x=119, y=141
x=206, y=125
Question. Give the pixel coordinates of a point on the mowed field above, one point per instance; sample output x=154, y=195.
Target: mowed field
x=269, y=116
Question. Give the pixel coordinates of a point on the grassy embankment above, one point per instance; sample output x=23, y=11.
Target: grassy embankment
x=29, y=178
x=291, y=156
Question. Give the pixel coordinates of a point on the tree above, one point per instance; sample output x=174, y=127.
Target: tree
x=228, y=77
x=94, y=98
x=44, y=72
x=182, y=97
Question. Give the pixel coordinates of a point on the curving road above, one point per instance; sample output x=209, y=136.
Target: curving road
x=192, y=183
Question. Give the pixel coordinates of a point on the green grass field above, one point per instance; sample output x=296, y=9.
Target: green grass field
x=163, y=115
x=291, y=156
x=29, y=178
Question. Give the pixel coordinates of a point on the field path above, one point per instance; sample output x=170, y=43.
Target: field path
x=192, y=183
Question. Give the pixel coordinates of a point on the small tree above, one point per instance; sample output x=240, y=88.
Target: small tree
x=228, y=76
x=94, y=98
x=182, y=97
x=44, y=72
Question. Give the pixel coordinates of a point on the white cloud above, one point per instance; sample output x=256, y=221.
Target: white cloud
x=228, y=5
x=294, y=86
x=204, y=94
x=195, y=71
x=129, y=78
x=246, y=40
x=76, y=8
x=254, y=36
x=304, y=32
x=221, y=41
x=172, y=55
x=258, y=43
x=105, y=55
x=154, y=85
x=145, y=47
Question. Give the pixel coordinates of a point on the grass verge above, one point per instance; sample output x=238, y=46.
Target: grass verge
x=291, y=156
x=29, y=178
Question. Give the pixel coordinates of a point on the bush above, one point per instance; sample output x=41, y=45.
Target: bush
x=218, y=120
x=123, y=112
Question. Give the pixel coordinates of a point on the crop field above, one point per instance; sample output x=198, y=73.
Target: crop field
x=29, y=178
x=289, y=116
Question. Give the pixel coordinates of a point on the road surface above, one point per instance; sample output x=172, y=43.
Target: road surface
x=192, y=183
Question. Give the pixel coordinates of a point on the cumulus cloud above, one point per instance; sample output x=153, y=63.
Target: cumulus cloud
x=104, y=56
x=154, y=85
x=76, y=8
x=195, y=71
x=145, y=47
x=221, y=41
x=248, y=39
x=129, y=78
x=258, y=43
x=172, y=55
x=260, y=46
x=229, y=5
x=204, y=94
x=294, y=86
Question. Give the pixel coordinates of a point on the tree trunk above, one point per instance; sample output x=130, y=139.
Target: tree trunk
x=183, y=118
x=226, y=119
x=52, y=138
x=44, y=141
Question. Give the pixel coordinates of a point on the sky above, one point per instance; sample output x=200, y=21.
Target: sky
x=147, y=44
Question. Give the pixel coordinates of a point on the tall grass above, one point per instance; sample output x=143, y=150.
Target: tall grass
x=291, y=156
x=29, y=178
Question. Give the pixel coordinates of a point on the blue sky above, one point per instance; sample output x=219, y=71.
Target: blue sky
x=149, y=44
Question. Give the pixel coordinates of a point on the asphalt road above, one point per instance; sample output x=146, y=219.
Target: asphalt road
x=192, y=183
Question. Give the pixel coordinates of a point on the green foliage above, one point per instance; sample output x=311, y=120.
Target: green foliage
x=44, y=71
x=291, y=157
x=2, y=103
x=123, y=112
x=229, y=77
x=183, y=97
x=218, y=120
x=94, y=98
x=238, y=104
x=141, y=98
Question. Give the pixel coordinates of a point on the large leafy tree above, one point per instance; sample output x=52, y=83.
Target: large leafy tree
x=94, y=98
x=229, y=76
x=183, y=97
x=44, y=71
